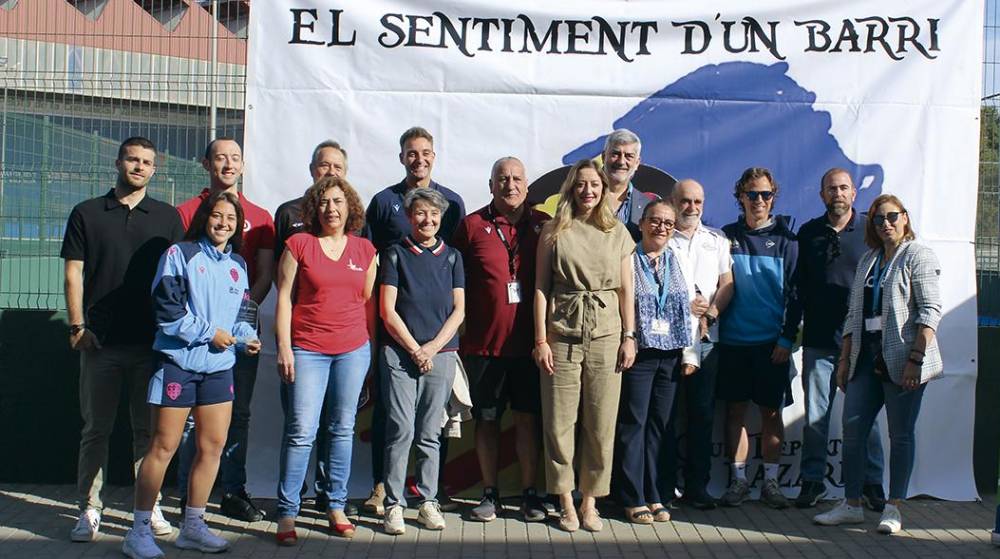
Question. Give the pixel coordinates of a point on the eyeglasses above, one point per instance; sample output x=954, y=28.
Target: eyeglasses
x=891, y=217
x=656, y=223
x=765, y=195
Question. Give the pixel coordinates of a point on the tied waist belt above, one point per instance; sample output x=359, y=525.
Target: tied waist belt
x=575, y=312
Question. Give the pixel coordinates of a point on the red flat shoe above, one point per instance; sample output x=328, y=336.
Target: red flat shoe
x=287, y=539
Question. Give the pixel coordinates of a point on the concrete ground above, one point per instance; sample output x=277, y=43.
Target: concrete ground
x=35, y=521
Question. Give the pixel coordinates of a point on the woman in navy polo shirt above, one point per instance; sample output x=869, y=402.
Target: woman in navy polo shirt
x=422, y=305
x=323, y=344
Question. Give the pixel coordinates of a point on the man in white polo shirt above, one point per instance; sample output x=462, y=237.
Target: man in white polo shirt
x=703, y=254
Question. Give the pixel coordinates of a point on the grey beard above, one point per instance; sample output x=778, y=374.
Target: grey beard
x=838, y=209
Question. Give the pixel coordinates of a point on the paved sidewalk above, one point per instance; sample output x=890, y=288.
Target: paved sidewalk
x=35, y=521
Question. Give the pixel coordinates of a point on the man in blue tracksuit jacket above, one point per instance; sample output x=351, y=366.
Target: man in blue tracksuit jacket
x=755, y=337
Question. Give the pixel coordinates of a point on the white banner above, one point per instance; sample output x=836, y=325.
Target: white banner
x=889, y=90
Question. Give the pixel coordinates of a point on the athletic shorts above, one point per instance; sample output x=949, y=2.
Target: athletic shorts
x=173, y=387
x=747, y=374
x=495, y=381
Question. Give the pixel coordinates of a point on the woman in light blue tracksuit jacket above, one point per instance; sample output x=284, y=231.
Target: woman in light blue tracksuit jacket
x=198, y=291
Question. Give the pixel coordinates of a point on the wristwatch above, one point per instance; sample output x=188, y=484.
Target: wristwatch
x=628, y=334
x=711, y=319
x=75, y=329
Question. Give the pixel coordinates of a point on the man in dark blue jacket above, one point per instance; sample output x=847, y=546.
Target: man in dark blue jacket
x=755, y=335
x=621, y=156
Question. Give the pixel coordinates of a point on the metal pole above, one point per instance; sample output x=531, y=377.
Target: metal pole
x=212, y=111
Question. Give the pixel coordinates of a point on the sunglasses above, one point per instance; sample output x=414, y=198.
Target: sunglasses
x=656, y=223
x=891, y=217
x=753, y=195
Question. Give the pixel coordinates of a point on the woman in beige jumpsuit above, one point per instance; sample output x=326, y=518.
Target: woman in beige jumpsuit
x=584, y=338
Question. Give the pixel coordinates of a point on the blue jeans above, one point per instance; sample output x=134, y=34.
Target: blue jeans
x=819, y=389
x=414, y=405
x=866, y=394
x=233, y=465
x=333, y=382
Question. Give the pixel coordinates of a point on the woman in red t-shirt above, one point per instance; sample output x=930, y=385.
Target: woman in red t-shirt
x=322, y=322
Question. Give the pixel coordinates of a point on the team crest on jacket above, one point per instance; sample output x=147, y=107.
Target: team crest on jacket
x=234, y=274
x=246, y=225
x=488, y=229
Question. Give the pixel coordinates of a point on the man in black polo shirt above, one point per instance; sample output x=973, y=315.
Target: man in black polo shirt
x=830, y=247
x=111, y=248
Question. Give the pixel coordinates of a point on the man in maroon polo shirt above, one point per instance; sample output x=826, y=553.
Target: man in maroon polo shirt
x=498, y=244
x=223, y=162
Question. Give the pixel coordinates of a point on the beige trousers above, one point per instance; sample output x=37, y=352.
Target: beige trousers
x=584, y=393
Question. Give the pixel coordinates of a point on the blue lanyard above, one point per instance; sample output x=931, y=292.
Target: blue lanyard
x=647, y=270
x=877, y=285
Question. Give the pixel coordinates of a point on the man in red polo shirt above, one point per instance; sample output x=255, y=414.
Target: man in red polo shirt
x=224, y=163
x=498, y=244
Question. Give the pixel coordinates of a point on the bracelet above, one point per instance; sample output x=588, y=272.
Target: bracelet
x=75, y=329
x=541, y=341
x=915, y=362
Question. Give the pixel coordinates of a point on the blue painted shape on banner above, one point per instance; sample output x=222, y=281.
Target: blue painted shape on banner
x=720, y=119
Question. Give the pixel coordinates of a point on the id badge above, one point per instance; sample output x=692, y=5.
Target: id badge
x=513, y=292
x=873, y=324
x=661, y=327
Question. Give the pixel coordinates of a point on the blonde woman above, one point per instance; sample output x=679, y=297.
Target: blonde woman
x=584, y=338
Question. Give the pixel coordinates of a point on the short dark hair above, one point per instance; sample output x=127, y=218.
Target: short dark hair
x=208, y=148
x=196, y=230
x=750, y=175
x=135, y=141
x=415, y=132
x=835, y=171
x=310, y=205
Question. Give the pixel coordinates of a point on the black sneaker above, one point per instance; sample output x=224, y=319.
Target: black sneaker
x=532, y=506
x=700, y=500
x=488, y=507
x=445, y=503
x=240, y=507
x=810, y=494
x=873, y=496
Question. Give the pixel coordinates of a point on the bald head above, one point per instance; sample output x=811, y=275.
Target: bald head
x=689, y=200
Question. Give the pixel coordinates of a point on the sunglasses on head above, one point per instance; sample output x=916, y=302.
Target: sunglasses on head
x=753, y=195
x=891, y=217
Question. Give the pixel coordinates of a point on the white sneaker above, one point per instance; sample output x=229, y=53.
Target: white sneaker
x=139, y=544
x=199, y=536
x=843, y=513
x=892, y=521
x=429, y=514
x=393, y=523
x=87, y=526
x=158, y=524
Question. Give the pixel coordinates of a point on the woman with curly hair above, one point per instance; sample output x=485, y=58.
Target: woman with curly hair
x=323, y=344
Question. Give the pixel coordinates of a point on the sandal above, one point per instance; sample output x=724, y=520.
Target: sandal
x=288, y=537
x=660, y=514
x=640, y=516
x=344, y=530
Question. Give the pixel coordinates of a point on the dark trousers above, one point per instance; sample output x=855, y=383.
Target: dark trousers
x=643, y=414
x=697, y=392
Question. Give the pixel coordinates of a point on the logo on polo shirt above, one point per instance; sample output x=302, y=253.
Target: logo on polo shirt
x=353, y=267
x=395, y=207
x=769, y=244
x=201, y=269
x=234, y=274
x=488, y=229
x=297, y=224
x=246, y=225
x=172, y=250
x=708, y=245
